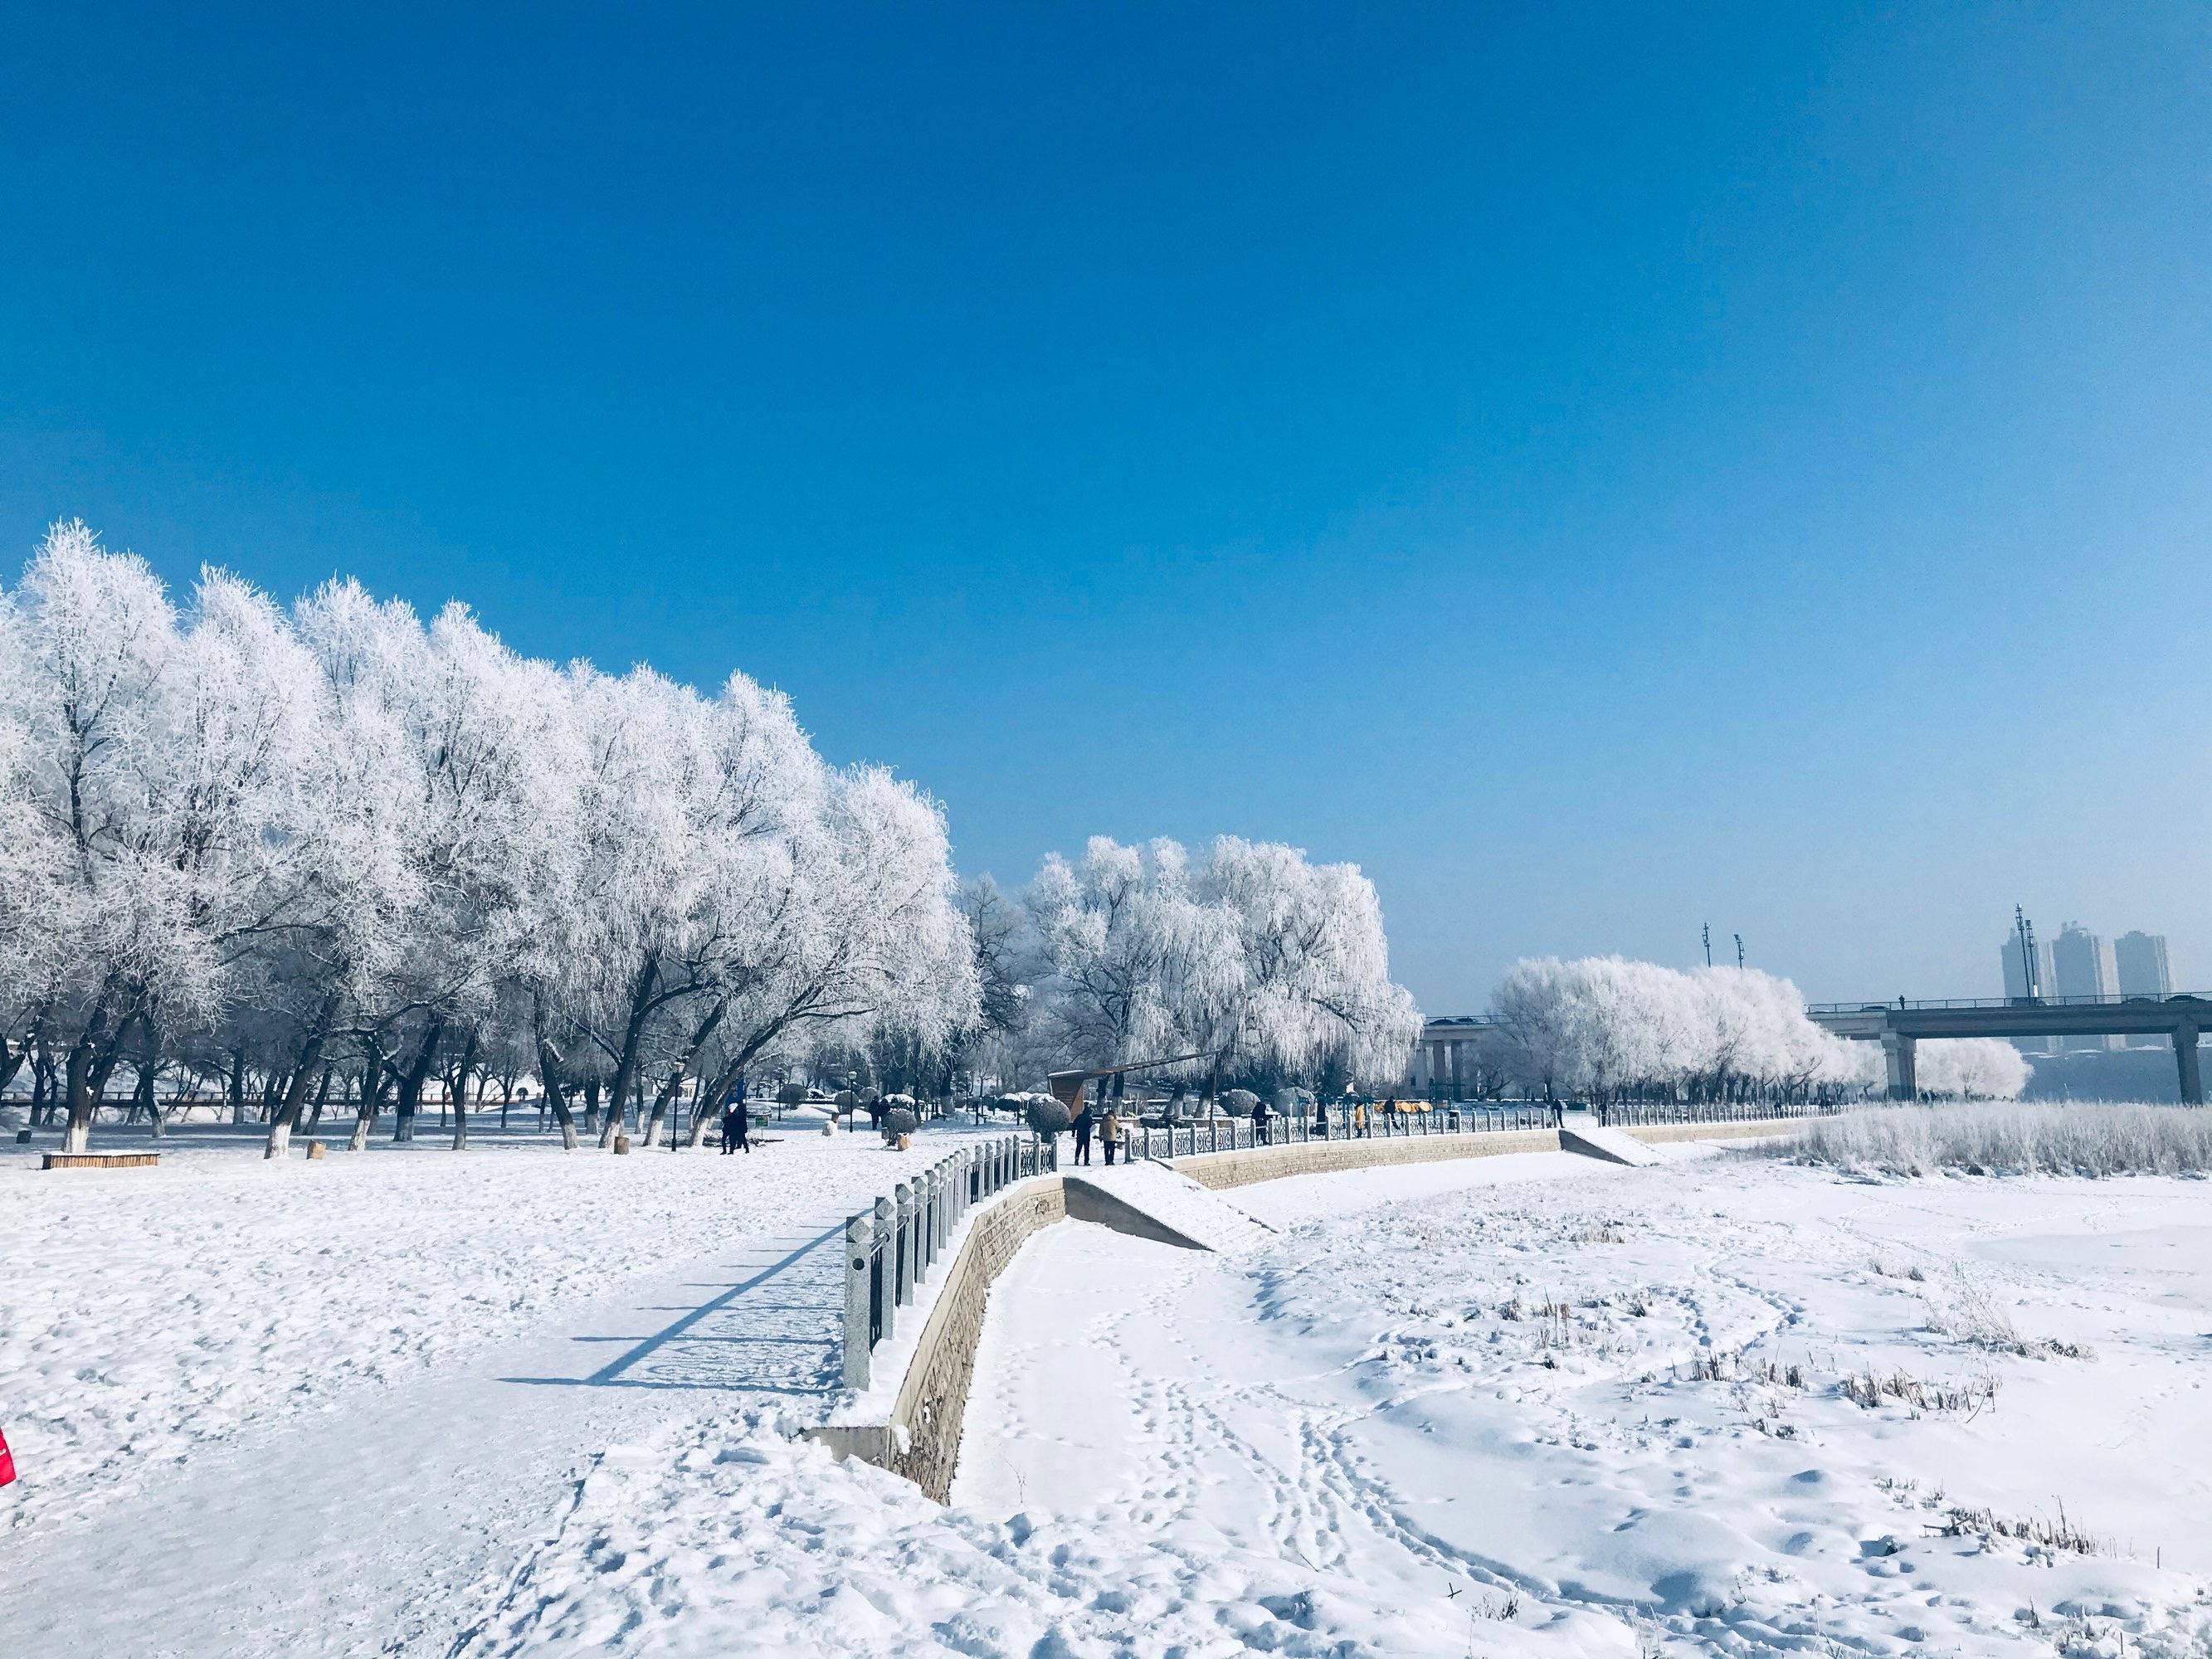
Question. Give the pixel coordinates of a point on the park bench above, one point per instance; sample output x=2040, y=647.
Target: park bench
x=100, y=1160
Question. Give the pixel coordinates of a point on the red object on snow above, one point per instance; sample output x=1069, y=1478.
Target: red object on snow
x=7, y=1462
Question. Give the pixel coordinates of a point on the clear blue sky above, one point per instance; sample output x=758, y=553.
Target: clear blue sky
x=1602, y=471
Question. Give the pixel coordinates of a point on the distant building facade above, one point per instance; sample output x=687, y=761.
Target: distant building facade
x=2081, y=966
x=2140, y=965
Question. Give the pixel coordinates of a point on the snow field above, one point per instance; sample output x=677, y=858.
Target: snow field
x=1637, y=1394
x=155, y=1313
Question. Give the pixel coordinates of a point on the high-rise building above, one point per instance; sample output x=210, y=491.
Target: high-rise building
x=2140, y=964
x=2140, y=967
x=2081, y=966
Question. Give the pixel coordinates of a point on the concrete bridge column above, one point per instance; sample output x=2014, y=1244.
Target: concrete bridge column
x=2184, y=1056
x=1897, y=1048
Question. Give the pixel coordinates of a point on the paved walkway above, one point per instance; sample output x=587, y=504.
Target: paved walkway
x=385, y=1527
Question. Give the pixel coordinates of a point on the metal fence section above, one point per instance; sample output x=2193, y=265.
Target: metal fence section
x=1712, y=1111
x=1339, y=1122
x=891, y=1249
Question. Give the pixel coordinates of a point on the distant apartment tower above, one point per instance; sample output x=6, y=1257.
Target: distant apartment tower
x=2139, y=960
x=2019, y=983
x=2081, y=966
x=2141, y=965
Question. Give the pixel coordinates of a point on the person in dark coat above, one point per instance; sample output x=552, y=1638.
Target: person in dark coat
x=1259, y=1135
x=736, y=1127
x=1083, y=1123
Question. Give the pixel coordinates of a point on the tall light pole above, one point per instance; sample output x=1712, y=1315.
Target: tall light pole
x=1705, y=932
x=2030, y=981
x=1739, y=952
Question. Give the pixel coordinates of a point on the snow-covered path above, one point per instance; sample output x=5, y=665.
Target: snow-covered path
x=374, y=1502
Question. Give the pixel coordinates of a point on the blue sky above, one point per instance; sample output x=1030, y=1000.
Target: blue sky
x=1602, y=471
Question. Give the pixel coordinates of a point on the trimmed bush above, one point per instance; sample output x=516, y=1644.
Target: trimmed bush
x=1239, y=1102
x=1049, y=1117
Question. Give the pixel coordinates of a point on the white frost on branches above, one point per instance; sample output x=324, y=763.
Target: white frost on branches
x=1250, y=957
x=237, y=843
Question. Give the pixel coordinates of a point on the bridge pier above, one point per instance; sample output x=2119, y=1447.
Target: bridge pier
x=2185, y=1057
x=1897, y=1049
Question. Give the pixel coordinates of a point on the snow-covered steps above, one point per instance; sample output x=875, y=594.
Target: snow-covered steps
x=1612, y=1145
x=1152, y=1200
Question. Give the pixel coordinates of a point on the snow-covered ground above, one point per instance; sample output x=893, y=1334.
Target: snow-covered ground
x=302, y=1407
x=1512, y=1406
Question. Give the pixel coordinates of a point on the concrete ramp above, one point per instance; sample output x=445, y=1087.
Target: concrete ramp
x=1612, y=1145
x=1152, y=1200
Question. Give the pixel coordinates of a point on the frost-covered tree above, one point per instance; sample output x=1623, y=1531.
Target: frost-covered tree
x=1973, y=1068
x=337, y=856
x=1606, y=1029
x=1251, y=957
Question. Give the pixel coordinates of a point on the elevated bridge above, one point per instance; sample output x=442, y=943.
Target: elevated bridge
x=1447, y=1050
x=1899, y=1025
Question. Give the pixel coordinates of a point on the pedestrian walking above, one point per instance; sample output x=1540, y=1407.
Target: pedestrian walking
x=1083, y=1121
x=1259, y=1135
x=736, y=1126
x=1321, y=1121
x=1110, y=1130
x=1359, y=1120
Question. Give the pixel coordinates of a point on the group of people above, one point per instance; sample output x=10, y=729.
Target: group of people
x=1106, y=1125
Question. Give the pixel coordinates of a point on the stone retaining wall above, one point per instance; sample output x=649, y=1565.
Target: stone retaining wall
x=1220, y=1170
x=923, y=1439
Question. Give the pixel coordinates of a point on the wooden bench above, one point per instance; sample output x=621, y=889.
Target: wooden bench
x=101, y=1160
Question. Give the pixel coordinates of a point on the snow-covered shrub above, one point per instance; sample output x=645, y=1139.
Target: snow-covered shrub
x=1238, y=1103
x=900, y=1120
x=791, y=1094
x=2010, y=1138
x=1047, y=1116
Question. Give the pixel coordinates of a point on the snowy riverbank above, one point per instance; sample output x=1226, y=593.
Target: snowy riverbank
x=1575, y=1413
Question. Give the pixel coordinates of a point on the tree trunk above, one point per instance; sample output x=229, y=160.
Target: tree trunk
x=373, y=1077
x=79, y=1090
x=556, y=1096
x=411, y=1081
x=641, y=1010
x=295, y=1087
x=591, y=1105
x=457, y=1090
x=669, y=1090
x=322, y=1094
x=147, y=1103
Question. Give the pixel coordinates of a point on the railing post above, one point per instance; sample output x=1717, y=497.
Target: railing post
x=884, y=1287
x=902, y=1270
x=859, y=1242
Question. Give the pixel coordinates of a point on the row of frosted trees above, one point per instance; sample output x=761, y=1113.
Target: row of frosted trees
x=1605, y=1028
x=1266, y=967
x=333, y=853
